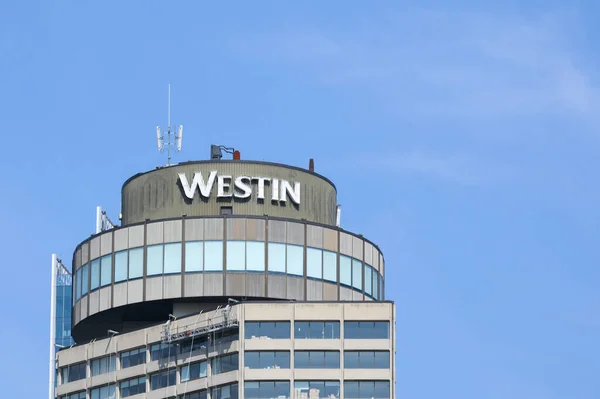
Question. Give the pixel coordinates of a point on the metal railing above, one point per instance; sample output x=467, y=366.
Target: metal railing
x=222, y=319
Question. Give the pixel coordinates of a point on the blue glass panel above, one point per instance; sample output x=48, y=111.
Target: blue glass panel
x=330, y=266
x=368, y=282
x=314, y=263
x=255, y=256
x=78, y=284
x=236, y=255
x=136, y=263
x=276, y=257
x=375, y=284
x=154, y=260
x=120, y=266
x=213, y=256
x=95, y=274
x=194, y=256
x=345, y=270
x=295, y=260
x=357, y=274
x=106, y=270
x=84, y=280
x=173, y=258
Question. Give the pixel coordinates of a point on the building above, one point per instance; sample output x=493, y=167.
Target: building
x=229, y=279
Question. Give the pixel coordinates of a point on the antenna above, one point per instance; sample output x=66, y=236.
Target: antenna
x=177, y=136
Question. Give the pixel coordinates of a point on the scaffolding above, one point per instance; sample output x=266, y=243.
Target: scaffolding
x=223, y=319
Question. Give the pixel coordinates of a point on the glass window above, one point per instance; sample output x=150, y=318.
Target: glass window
x=382, y=390
x=375, y=285
x=194, y=256
x=163, y=351
x=330, y=266
x=267, y=360
x=173, y=258
x=317, y=389
x=213, y=256
x=267, y=390
x=268, y=329
x=106, y=270
x=236, y=255
x=317, y=329
x=366, y=329
x=196, y=395
x=78, y=395
x=345, y=270
x=84, y=280
x=95, y=274
x=136, y=263
x=295, y=260
x=357, y=274
x=224, y=364
x=133, y=386
x=314, y=263
x=194, y=371
x=317, y=359
x=224, y=392
x=105, y=392
x=381, y=330
x=382, y=360
x=368, y=282
x=154, y=260
x=103, y=365
x=78, y=284
x=276, y=257
x=366, y=359
x=367, y=389
x=381, y=288
x=120, y=266
x=255, y=256
x=133, y=357
x=73, y=372
x=163, y=379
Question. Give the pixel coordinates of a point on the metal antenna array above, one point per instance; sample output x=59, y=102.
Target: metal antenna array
x=160, y=136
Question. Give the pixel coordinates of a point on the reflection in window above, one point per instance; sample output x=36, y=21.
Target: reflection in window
x=267, y=360
x=120, y=266
x=84, y=280
x=345, y=270
x=317, y=329
x=367, y=389
x=136, y=263
x=314, y=263
x=133, y=386
x=276, y=257
x=73, y=372
x=194, y=371
x=317, y=359
x=213, y=256
x=268, y=329
x=194, y=256
x=173, y=258
x=133, y=357
x=105, y=270
x=368, y=280
x=366, y=329
x=295, y=260
x=267, y=389
x=330, y=266
x=154, y=260
x=224, y=392
x=163, y=379
x=236, y=255
x=357, y=274
x=163, y=351
x=105, y=392
x=366, y=359
x=94, y=274
x=224, y=364
x=103, y=365
x=255, y=256
x=317, y=389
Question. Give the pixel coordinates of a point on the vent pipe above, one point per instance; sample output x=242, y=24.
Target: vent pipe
x=236, y=155
x=311, y=165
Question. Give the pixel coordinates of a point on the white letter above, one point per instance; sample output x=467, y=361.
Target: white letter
x=198, y=182
x=286, y=189
x=261, y=187
x=222, y=186
x=274, y=190
x=245, y=187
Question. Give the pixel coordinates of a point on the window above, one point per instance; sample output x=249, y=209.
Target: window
x=269, y=329
x=173, y=258
x=133, y=357
x=154, y=260
x=317, y=359
x=330, y=266
x=163, y=351
x=213, y=256
x=295, y=260
x=357, y=274
x=84, y=280
x=105, y=392
x=103, y=365
x=199, y=343
x=225, y=392
x=224, y=364
x=120, y=266
x=255, y=256
x=366, y=329
x=195, y=395
x=78, y=395
x=267, y=360
x=78, y=284
x=267, y=389
x=105, y=270
x=314, y=263
x=236, y=255
x=94, y=274
x=317, y=329
x=194, y=371
x=194, y=256
x=73, y=372
x=276, y=257
x=381, y=291
x=136, y=263
x=375, y=285
x=317, y=389
x=368, y=280
x=366, y=360
x=133, y=386
x=345, y=270
x=163, y=379
x=367, y=389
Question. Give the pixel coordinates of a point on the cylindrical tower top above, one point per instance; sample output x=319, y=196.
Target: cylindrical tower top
x=213, y=188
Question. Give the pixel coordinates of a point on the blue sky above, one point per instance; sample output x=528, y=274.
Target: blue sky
x=472, y=127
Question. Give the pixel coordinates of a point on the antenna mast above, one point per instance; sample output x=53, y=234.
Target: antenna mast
x=177, y=136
